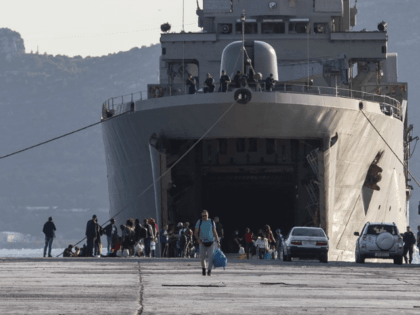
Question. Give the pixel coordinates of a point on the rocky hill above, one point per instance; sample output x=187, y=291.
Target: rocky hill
x=42, y=96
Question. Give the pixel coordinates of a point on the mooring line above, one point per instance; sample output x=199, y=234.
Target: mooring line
x=405, y=167
x=62, y=136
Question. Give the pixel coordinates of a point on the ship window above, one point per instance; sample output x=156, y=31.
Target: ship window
x=223, y=146
x=297, y=27
x=224, y=28
x=252, y=145
x=163, y=51
x=240, y=145
x=273, y=28
x=176, y=75
x=250, y=28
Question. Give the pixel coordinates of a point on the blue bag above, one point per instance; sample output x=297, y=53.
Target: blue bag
x=219, y=259
x=267, y=256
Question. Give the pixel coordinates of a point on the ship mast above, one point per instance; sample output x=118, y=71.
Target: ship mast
x=243, y=18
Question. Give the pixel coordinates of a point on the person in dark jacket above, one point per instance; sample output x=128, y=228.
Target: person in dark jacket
x=236, y=79
x=68, y=251
x=409, y=241
x=91, y=233
x=224, y=82
x=209, y=88
x=269, y=83
x=49, y=231
x=108, y=231
x=191, y=84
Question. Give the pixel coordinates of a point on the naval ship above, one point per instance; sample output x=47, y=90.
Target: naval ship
x=324, y=146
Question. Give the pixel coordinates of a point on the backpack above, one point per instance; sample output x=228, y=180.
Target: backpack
x=199, y=226
x=143, y=232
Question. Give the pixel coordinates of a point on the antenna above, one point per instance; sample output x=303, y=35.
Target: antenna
x=243, y=18
x=183, y=48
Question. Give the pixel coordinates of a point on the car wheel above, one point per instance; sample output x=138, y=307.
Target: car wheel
x=324, y=258
x=360, y=259
x=398, y=260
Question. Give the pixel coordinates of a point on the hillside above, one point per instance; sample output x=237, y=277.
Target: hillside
x=43, y=96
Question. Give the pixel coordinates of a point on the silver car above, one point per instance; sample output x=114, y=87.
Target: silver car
x=379, y=240
x=306, y=242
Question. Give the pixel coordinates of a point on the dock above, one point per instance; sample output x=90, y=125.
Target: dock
x=176, y=286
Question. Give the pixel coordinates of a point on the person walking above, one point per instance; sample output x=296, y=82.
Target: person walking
x=108, y=231
x=49, y=231
x=262, y=245
x=279, y=243
x=91, y=234
x=219, y=230
x=249, y=239
x=206, y=234
x=409, y=241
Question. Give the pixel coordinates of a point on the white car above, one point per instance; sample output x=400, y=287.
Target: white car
x=379, y=240
x=306, y=242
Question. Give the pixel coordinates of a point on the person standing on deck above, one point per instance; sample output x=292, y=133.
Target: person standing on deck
x=224, y=82
x=205, y=233
x=49, y=231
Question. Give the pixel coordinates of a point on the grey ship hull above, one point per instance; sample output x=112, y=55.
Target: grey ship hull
x=133, y=164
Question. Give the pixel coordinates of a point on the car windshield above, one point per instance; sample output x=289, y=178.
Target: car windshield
x=378, y=229
x=308, y=232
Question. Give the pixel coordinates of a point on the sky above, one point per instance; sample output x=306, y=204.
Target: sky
x=94, y=27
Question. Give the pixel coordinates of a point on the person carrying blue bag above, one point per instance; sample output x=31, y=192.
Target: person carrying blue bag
x=205, y=233
x=219, y=259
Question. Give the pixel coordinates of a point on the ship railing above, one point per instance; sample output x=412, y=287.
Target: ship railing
x=388, y=105
x=113, y=102
x=161, y=90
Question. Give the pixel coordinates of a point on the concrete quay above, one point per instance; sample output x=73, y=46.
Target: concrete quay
x=176, y=286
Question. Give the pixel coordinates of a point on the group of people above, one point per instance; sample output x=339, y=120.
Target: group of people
x=260, y=244
x=240, y=80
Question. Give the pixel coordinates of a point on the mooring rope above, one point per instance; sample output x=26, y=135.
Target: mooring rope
x=403, y=164
x=62, y=136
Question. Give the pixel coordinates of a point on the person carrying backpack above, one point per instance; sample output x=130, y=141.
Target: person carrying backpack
x=205, y=233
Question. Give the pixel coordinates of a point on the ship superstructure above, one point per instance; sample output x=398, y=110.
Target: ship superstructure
x=304, y=153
